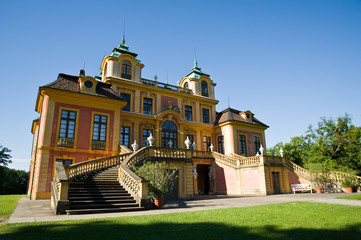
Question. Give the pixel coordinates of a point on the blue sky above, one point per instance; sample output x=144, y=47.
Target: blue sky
x=289, y=62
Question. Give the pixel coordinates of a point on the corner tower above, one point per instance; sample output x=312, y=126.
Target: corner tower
x=199, y=82
x=121, y=64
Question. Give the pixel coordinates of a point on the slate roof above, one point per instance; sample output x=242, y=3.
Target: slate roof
x=231, y=114
x=70, y=83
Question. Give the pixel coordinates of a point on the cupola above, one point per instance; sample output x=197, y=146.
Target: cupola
x=199, y=82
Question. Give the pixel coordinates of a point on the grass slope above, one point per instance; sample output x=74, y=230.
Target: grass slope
x=299, y=220
x=7, y=205
x=352, y=197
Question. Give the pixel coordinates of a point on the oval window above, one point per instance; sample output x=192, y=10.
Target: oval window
x=88, y=84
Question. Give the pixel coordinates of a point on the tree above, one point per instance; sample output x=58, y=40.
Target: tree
x=296, y=150
x=5, y=158
x=336, y=143
x=13, y=181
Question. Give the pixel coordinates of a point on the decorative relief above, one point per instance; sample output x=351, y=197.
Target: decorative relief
x=188, y=130
x=170, y=106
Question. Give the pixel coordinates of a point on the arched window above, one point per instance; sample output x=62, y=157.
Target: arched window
x=126, y=70
x=169, y=134
x=186, y=85
x=204, y=88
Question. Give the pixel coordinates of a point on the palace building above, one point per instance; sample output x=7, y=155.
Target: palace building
x=121, y=115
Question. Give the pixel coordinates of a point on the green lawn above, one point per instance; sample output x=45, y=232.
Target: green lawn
x=7, y=205
x=352, y=197
x=299, y=220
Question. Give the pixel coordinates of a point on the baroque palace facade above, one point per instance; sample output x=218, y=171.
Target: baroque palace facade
x=84, y=119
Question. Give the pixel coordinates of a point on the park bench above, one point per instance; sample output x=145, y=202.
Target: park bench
x=301, y=187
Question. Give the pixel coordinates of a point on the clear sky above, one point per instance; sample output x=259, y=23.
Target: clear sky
x=289, y=62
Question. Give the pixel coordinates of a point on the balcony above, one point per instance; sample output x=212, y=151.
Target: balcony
x=65, y=143
x=98, y=145
x=166, y=86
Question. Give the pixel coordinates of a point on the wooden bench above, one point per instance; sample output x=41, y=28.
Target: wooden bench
x=300, y=187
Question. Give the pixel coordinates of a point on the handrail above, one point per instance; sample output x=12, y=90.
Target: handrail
x=136, y=186
x=59, y=189
x=247, y=161
x=124, y=149
x=226, y=160
x=78, y=169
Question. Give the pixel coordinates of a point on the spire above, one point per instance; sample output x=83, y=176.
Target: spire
x=195, y=63
x=123, y=39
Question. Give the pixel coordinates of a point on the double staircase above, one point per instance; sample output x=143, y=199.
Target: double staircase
x=99, y=192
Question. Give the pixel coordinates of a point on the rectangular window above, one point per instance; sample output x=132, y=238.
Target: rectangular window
x=242, y=145
x=207, y=143
x=188, y=113
x=146, y=134
x=257, y=144
x=100, y=128
x=148, y=106
x=67, y=124
x=99, y=132
x=125, y=136
x=221, y=144
x=126, y=97
x=205, y=115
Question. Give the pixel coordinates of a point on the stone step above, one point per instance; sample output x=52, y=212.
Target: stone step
x=97, y=194
x=105, y=189
x=98, y=197
x=119, y=203
x=103, y=210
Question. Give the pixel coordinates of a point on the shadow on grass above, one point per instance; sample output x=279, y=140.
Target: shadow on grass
x=112, y=230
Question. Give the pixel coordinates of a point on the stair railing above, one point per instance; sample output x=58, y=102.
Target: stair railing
x=226, y=160
x=135, y=185
x=82, y=168
x=59, y=189
x=247, y=161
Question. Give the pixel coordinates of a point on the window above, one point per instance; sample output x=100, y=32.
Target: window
x=99, y=132
x=100, y=128
x=221, y=144
x=126, y=70
x=204, y=87
x=207, y=143
x=126, y=97
x=205, y=114
x=125, y=136
x=66, y=162
x=242, y=145
x=147, y=106
x=67, y=129
x=257, y=144
x=186, y=85
x=188, y=113
x=67, y=124
x=146, y=134
x=169, y=133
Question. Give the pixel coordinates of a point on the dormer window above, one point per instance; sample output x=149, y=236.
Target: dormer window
x=186, y=85
x=126, y=70
x=204, y=88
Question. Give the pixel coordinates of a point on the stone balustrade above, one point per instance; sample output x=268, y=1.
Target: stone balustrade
x=78, y=169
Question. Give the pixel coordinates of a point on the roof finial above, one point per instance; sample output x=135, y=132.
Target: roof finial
x=195, y=59
x=123, y=39
x=229, y=103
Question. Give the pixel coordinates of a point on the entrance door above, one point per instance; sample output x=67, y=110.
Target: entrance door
x=203, y=179
x=276, y=182
x=169, y=134
x=172, y=195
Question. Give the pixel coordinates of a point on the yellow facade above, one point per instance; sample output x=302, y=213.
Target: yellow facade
x=171, y=113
